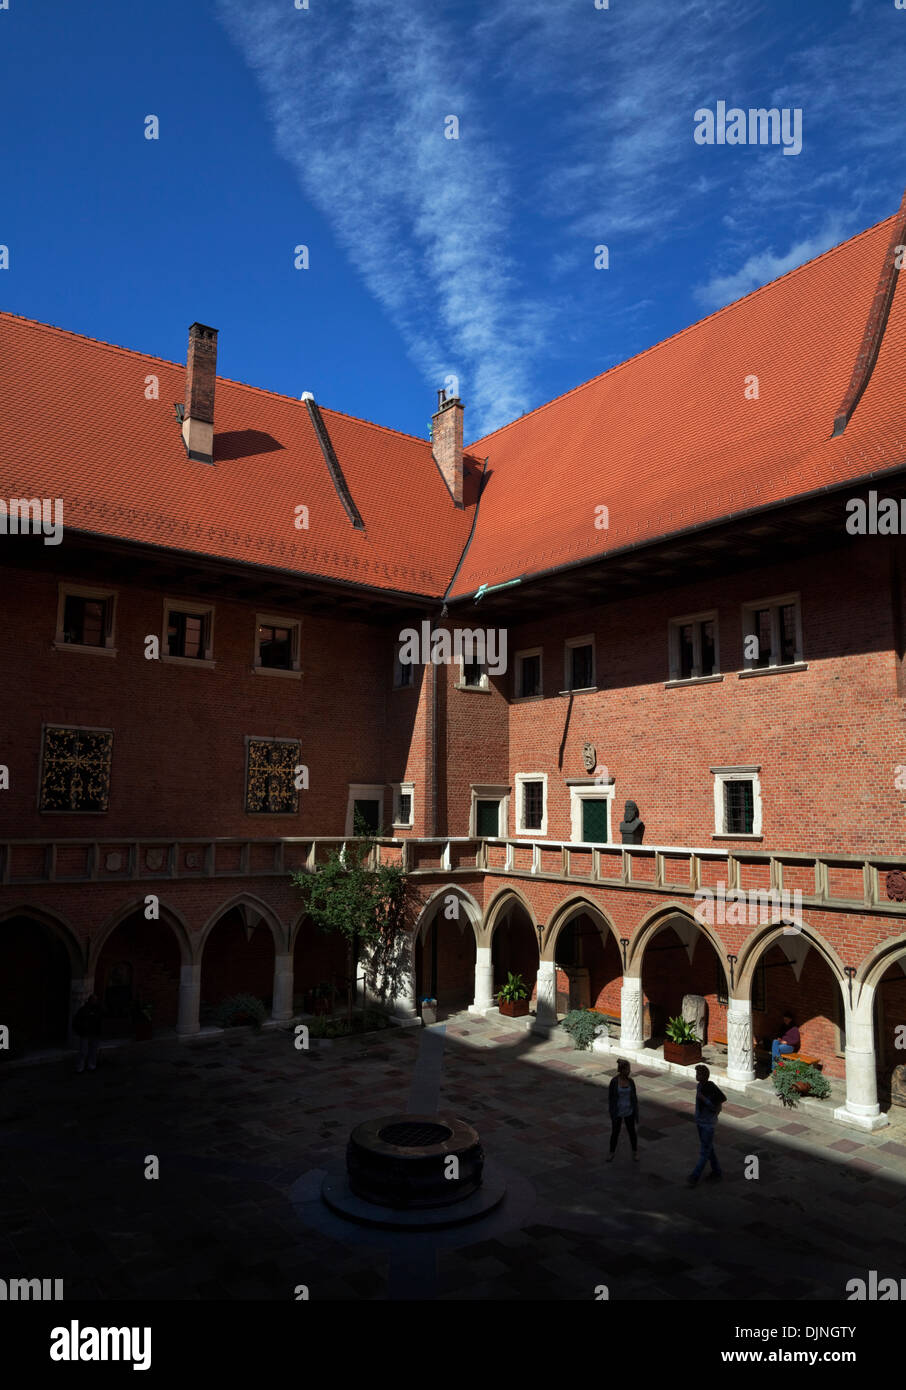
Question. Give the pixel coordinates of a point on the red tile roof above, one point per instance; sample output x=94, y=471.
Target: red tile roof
x=76, y=425
x=666, y=441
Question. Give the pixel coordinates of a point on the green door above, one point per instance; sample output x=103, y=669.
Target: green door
x=594, y=820
x=487, y=820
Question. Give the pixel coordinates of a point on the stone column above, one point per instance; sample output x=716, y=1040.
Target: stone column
x=861, y=1109
x=631, y=1013
x=189, y=998
x=282, y=1007
x=546, y=1002
x=740, y=1054
x=484, y=981
x=403, y=990
x=79, y=990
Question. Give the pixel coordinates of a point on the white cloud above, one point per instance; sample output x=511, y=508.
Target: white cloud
x=762, y=267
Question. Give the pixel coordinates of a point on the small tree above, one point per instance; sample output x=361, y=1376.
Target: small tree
x=353, y=893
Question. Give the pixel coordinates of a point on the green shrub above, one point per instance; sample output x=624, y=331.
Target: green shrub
x=582, y=1025
x=241, y=1008
x=785, y=1076
x=679, y=1031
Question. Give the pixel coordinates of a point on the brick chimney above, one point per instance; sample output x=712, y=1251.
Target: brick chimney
x=201, y=378
x=446, y=440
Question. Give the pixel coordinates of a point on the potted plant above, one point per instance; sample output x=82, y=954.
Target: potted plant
x=583, y=1026
x=141, y=1020
x=240, y=1009
x=513, y=997
x=682, y=1044
x=793, y=1080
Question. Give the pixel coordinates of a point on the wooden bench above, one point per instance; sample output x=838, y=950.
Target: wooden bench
x=804, y=1057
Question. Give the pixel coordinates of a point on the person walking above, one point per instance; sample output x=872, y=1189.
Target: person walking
x=624, y=1105
x=87, y=1027
x=708, y=1102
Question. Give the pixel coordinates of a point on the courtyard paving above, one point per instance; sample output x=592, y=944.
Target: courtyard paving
x=245, y=1127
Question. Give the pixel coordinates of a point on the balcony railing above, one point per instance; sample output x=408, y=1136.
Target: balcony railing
x=844, y=881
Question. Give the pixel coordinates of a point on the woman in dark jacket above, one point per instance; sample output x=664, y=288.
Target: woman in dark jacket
x=624, y=1105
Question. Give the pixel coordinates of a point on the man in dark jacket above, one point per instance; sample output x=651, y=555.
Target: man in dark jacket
x=87, y=1027
x=708, y=1101
x=624, y=1105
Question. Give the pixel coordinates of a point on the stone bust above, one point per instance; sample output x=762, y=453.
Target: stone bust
x=632, y=828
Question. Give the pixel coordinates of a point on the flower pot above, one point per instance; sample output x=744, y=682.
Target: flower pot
x=429, y=1012
x=803, y=1087
x=684, y=1053
x=513, y=1008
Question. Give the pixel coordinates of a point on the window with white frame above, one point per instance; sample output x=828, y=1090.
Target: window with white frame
x=737, y=801
x=579, y=663
x=403, y=804
x=531, y=803
x=772, y=633
x=528, y=675
x=693, y=647
x=188, y=632
x=85, y=619
x=591, y=812
x=489, y=813
x=277, y=643
x=473, y=675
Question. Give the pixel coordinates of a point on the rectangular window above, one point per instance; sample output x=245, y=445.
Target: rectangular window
x=271, y=776
x=595, y=820
x=528, y=675
x=402, y=803
x=85, y=621
x=693, y=647
x=580, y=663
x=739, y=808
x=737, y=801
x=85, y=618
x=276, y=643
x=532, y=805
x=403, y=673
x=75, y=769
x=772, y=633
x=186, y=635
x=474, y=675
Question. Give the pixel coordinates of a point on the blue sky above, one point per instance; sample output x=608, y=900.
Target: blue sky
x=428, y=256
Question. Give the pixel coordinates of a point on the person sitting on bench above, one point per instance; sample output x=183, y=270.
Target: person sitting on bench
x=787, y=1042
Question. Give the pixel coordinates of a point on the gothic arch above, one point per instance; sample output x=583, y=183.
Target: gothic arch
x=773, y=933
x=436, y=902
x=651, y=925
x=252, y=909
x=502, y=899
x=173, y=919
x=576, y=903
x=58, y=926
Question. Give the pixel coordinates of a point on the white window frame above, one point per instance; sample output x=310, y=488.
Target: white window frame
x=363, y=791
x=748, y=630
x=596, y=792
x=673, y=640
x=483, y=684
x=295, y=627
x=206, y=610
x=537, y=832
x=568, y=645
x=66, y=590
x=403, y=789
x=519, y=656
x=484, y=792
x=723, y=775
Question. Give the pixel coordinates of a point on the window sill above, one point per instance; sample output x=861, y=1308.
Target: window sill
x=475, y=689
x=276, y=671
x=675, y=683
x=402, y=825
x=204, y=663
x=526, y=699
x=579, y=690
x=537, y=834
x=78, y=647
x=404, y=687
x=747, y=838
x=773, y=670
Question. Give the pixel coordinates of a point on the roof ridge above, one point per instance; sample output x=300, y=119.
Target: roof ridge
x=689, y=328
x=230, y=381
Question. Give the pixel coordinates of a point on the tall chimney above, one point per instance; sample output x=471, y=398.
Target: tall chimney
x=201, y=378
x=446, y=440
